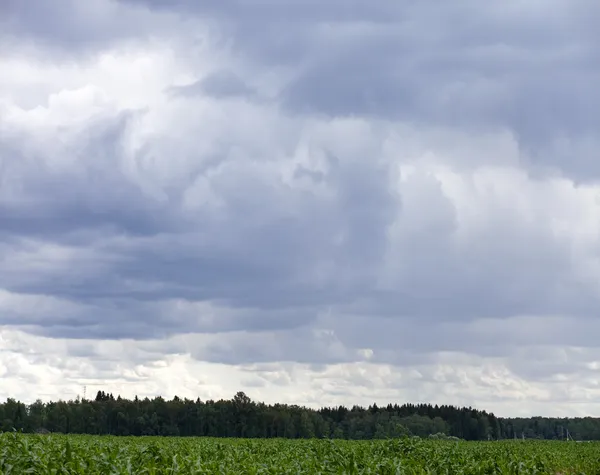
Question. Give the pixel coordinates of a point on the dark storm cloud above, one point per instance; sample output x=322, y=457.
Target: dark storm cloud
x=466, y=80
x=134, y=252
x=63, y=203
x=530, y=67
x=272, y=255
x=263, y=260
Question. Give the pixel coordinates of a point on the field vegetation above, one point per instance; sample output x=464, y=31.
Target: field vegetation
x=85, y=454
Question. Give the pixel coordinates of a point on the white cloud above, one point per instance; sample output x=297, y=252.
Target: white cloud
x=34, y=367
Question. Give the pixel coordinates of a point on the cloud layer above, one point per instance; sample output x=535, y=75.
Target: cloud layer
x=314, y=202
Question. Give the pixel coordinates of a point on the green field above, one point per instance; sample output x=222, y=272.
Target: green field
x=74, y=454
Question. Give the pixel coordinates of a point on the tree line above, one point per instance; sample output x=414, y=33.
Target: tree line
x=242, y=417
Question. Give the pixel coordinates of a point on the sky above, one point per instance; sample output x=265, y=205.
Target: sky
x=315, y=202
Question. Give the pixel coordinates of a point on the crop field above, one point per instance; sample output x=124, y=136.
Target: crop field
x=75, y=454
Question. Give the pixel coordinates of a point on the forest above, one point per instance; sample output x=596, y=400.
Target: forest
x=243, y=417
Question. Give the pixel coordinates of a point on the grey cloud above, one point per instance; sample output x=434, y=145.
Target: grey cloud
x=69, y=27
x=120, y=318
x=382, y=79
x=89, y=194
x=220, y=84
x=544, y=363
x=282, y=243
x=302, y=11
x=536, y=347
x=265, y=261
x=303, y=345
x=529, y=68
x=254, y=383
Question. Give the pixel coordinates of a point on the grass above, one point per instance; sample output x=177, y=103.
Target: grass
x=82, y=454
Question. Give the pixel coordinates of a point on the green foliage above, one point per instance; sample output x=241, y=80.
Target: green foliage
x=242, y=417
x=79, y=454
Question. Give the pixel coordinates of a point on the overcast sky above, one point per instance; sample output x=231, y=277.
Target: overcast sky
x=315, y=202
